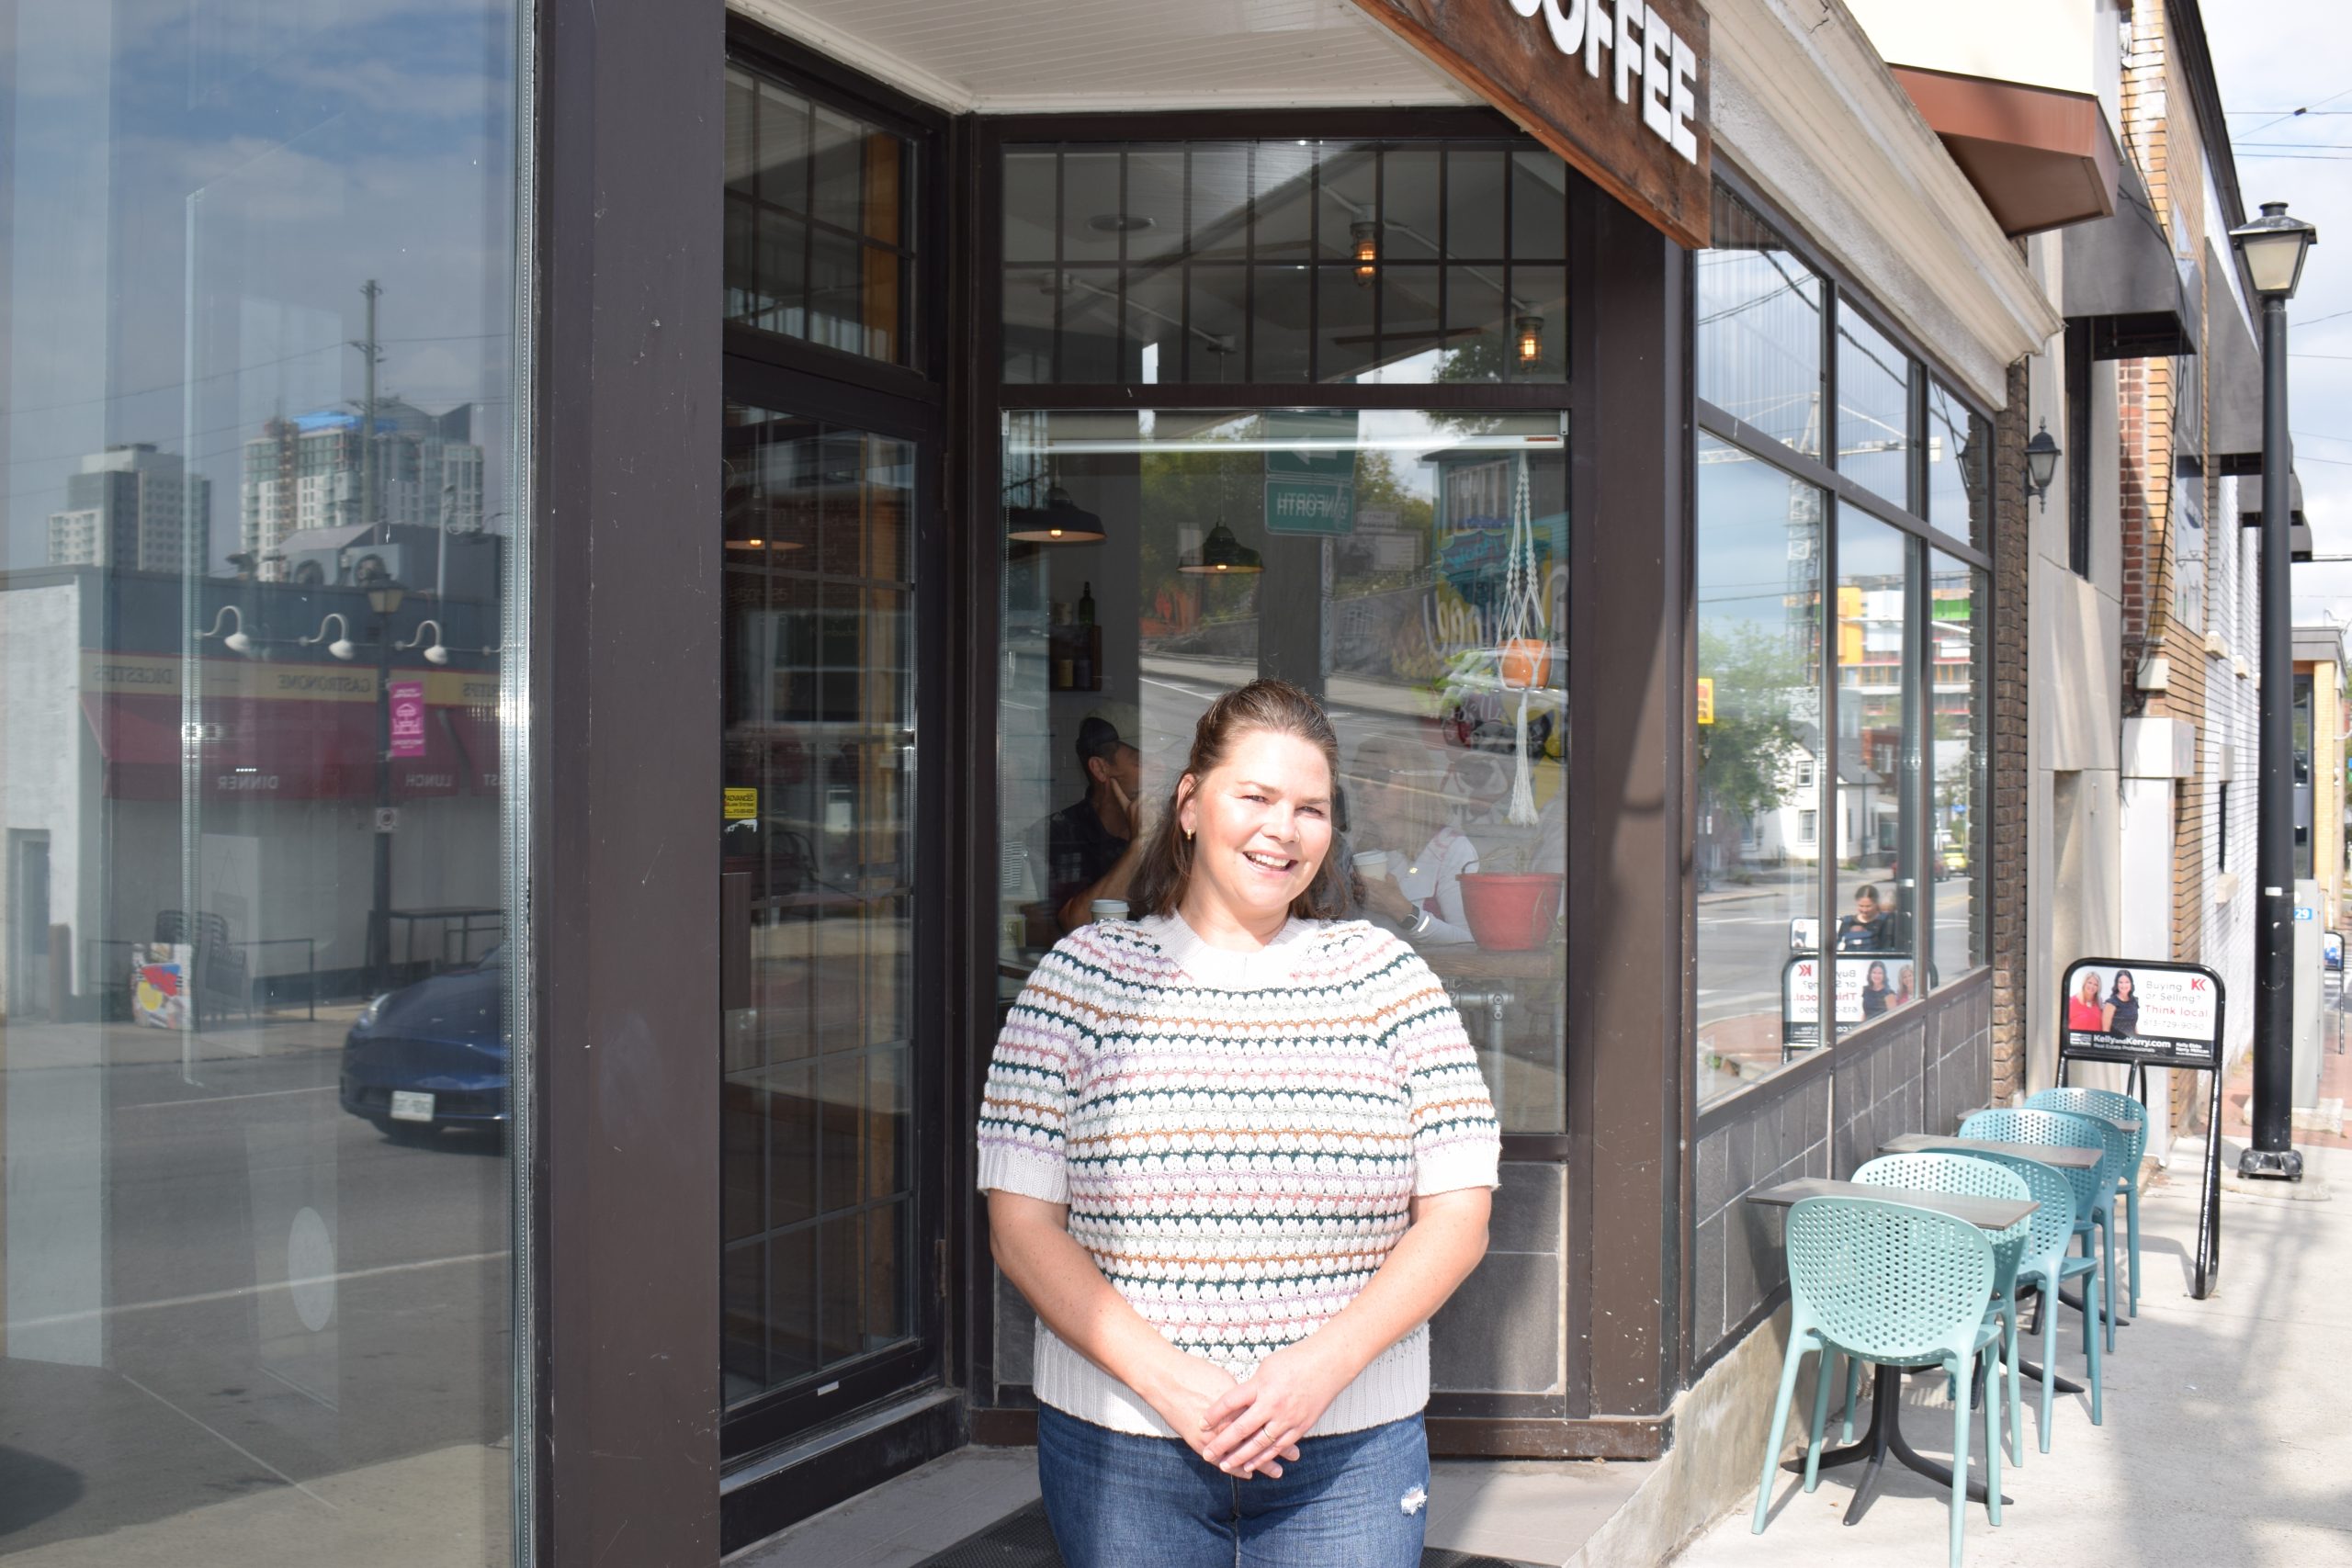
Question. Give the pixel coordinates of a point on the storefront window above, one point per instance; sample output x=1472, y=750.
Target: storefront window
x=1761, y=762
x=1959, y=457
x=1957, y=843
x=260, y=504
x=1878, y=901
x=1759, y=317
x=820, y=240
x=1284, y=261
x=1874, y=435
x=816, y=1204
x=1409, y=568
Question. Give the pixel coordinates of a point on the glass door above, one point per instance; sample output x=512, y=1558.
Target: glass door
x=827, y=1256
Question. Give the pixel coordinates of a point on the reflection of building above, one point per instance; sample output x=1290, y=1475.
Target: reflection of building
x=310, y=473
x=134, y=508
x=1793, y=831
x=285, y=753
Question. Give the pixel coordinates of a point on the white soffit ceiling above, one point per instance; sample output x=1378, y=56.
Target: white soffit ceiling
x=1027, y=56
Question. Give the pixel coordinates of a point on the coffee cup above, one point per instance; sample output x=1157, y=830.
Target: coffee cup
x=1110, y=909
x=1372, y=864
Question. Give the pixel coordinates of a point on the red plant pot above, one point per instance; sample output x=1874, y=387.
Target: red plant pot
x=1510, y=911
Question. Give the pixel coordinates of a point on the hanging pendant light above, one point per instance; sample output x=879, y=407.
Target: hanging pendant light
x=1530, y=340
x=1061, y=520
x=1221, y=555
x=1363, y=239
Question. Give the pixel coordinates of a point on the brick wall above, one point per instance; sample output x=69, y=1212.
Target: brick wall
x=2012, y=787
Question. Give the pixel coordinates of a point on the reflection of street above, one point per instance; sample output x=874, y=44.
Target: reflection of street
x=294, y=1330
x=1743, y=947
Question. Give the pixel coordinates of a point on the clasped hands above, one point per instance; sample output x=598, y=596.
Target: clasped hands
x=1249, y=1429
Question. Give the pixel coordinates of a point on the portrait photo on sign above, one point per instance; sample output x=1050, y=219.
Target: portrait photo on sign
x=2137, y=1011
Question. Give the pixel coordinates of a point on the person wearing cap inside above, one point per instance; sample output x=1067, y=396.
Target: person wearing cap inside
x=1093, y=845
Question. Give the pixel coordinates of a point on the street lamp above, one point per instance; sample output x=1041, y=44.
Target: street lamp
x=2041, y=464
x=2274, y=245
x=384, y=596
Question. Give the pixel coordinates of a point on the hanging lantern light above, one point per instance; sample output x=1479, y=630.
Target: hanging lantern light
x=1363, y=237
x=1530, y=340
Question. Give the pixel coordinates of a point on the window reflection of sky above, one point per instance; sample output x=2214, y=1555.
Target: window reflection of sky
x=197, y=203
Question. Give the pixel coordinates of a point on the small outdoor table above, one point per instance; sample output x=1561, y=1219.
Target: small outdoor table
x=1930, y=1143
x=1885, y=1434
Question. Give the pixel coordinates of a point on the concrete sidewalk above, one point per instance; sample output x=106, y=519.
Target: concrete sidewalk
x=2225, y=1441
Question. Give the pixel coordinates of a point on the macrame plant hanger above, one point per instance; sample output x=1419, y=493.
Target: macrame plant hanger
x=1522, y=649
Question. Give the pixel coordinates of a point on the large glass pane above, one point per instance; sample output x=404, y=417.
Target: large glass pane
x=260, y=500
x=1960, y=461
x=1296, y=261
x=1873, y=409
x=1761, y=767
x=830, y=200
x=1957, y=842
x=1877, y=797
x=1368, y=556
x=817, y=856
x=1758, y=317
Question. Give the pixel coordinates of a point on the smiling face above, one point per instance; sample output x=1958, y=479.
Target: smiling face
x=1866, y=906
x=1261, y=827
x=2090, y=988
x=2123, y=985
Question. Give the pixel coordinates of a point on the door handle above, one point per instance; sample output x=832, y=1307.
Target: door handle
x=734, y=941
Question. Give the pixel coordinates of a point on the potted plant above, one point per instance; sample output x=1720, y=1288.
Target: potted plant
x=1511, y=910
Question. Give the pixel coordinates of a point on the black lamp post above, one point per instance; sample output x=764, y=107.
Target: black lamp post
x=2274, y=245
x=384, y=597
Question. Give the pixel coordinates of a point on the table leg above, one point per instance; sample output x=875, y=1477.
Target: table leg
x=1885, y=1437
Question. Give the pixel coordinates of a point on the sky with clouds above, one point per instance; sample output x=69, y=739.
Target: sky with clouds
x=2273, y=58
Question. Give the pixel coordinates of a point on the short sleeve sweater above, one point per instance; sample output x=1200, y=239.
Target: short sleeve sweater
x=1237, y=1137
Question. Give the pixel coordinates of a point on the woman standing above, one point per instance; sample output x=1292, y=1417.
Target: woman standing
x=1876, y=993
x=1237, y=1154
x=2122, y=1008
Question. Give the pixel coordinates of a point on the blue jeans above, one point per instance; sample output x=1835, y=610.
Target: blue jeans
x=1351, y=1500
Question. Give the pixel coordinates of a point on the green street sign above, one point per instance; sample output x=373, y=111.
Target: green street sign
x=1326, y=507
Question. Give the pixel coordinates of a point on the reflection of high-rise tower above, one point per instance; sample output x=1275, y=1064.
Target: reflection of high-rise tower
x=306, y=473
x=132, y=508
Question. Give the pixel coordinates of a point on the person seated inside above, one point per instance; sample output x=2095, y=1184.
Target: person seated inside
x=1409, y=852
x=1872, y=927
x=1093, y=845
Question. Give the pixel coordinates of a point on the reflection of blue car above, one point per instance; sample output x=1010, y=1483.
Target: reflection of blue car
x=432, y=1054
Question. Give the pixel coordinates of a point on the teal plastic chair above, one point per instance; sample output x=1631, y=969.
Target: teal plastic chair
x=2094, y=1189
x=2106, y=1102
x=2045, y=1267
x=1958, y=1176
x=1894, y=1285
x=2117, y=1144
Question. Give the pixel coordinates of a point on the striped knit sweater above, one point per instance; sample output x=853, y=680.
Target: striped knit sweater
x=1237, y=1137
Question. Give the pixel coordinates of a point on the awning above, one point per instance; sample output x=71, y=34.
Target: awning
x=2121, y=276
x=2233, y=380
x=2039, y=157
x=274, y=749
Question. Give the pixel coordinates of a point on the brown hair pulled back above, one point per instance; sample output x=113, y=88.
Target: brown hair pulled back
x=1269, y=704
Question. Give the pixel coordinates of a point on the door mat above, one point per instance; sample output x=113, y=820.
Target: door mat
x=1026, y=1540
